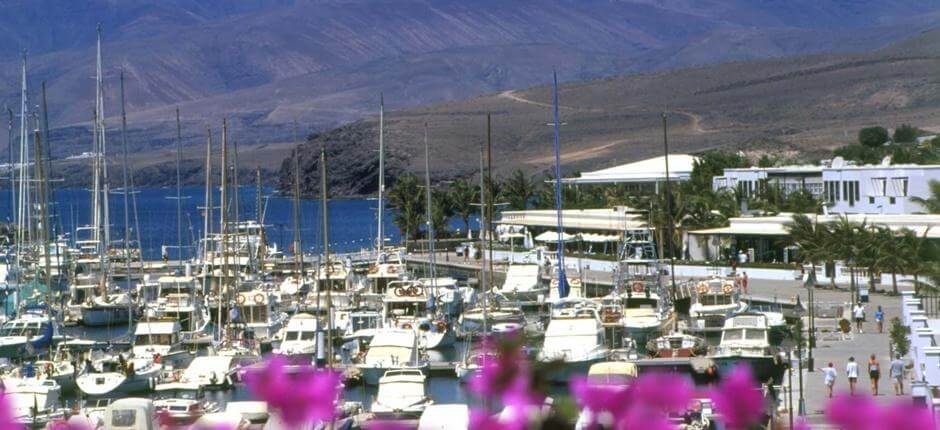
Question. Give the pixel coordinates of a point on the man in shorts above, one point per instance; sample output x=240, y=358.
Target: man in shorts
x=851, y=372
x=829, y=377
x=897, y=375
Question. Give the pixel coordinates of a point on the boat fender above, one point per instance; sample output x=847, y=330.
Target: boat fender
x=259, y=298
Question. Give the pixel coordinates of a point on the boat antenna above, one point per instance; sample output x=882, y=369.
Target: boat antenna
x=430, y=222
x=179, y=195
x=324, y=194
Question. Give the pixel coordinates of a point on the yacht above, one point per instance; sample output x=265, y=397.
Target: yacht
x=257, y=311
x=205, y=372
x=388, y=267
x=523, y=283
x=159, y=339
x=108, y=309
x=612, y=374
x=391, y=349
x=33, y=402
x=575, y=335
x=29, y=334
x=500, y=314
x=178, y=299
x=111, y=375
x=402, y=394
x=713, y=300
x=406, y=306
x=299, y=336
x=645, y=314
x=676, y=344
x=182, y=403
x=745, y=339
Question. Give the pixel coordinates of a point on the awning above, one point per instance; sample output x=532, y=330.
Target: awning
x=747, y=229
x=599, y=238
x=552, y=236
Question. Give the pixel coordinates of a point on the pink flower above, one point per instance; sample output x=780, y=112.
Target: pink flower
x=644, y=418
x=599, y=397
x=503, y=364
x=385, y=425
x=7, y=420
x=905, y=415
x=482, y=420
x=801, y=424
x=307, y=396
x=665, y=392
x=854, y=413
x=738, y=400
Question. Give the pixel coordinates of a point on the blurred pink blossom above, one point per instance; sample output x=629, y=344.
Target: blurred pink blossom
x=305, y=396
x=666, y=392
x=905, y=415
x=854, y=412
x=738, y=399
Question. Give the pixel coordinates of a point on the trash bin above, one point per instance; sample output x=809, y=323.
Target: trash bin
x=863, y=295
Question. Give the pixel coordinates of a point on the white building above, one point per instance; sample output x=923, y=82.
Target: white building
x=847, y=188
x=644, y=175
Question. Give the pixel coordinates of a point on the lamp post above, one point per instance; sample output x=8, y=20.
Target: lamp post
x=811, y=341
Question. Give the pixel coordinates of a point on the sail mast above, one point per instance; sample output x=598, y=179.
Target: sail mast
x=324, y=194
x=380, y=238
x=207, y=216
x=430, y=222
x=24, y=225
x=127, y=215
x=562, y=278
x=483, y=223
x=179, y=193
x=103, y=148
x=223, y=228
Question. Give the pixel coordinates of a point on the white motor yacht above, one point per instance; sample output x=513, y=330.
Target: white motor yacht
x=178, y=298
x=299, y=336
x=402, y=394
x=391, y=349
x=159, y=339
x=29, y=334
x=111, y=375
x=575, y=335
x=33, y=402
x=745, y=339
x=523, y=283
x=714, y=300
x=259, y=314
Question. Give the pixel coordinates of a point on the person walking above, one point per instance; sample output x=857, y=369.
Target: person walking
x=880, y=319
x=859, y=313
x=897, y=375
x=744, y=281
x=874, y=373
x=829, y=377
x=851, y=372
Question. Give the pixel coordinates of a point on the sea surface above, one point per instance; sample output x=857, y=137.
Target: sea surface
x=352, y=222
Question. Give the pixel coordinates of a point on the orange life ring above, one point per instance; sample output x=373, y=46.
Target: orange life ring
x=727, y=288
x=441, y=327
x=392, y=269
x=373, y=269
x=701, y=288
x=259, y=298
x=406, y=325
x=400, y=291
x=240, y=299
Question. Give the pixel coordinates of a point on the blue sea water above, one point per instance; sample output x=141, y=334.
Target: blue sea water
x=352, y=222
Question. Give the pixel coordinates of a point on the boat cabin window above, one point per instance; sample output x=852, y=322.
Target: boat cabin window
x=715, y=299
x=300, y=335
x=255, y=313
x=733, y=334
x=410, y=309
x=755, y=334
x=21, y=329
x=334, y=284
x=155, y=339
x=401, y=390
x=641, y=303
x=123, y=417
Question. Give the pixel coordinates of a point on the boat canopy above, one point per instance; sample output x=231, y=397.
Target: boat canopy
x=613, y=368
x=162, y=327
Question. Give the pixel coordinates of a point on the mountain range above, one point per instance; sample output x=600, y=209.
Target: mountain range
x=280, y=70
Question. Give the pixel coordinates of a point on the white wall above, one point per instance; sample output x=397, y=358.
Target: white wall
x=875, y=200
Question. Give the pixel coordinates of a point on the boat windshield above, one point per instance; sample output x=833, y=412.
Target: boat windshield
x=153, y=339
x=401, y=390
x=300, y=335
x=733, y=334
x=715, y=299
x=755, y=334
x=255, y=313
x=641, y=303
x=19, y=328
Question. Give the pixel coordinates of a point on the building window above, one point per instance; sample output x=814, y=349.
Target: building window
x=857, y=192
x=878, y=186
x=898, y=187
x=871, y=200
x=891, y=200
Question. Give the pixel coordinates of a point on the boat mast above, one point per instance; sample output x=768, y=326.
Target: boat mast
x=207, y=216
x=127, y=215
x=103, y=154
x=672, y=254
x=324, y=194
x=12, y=176
x=24, y=224
x=258, y=215
x=179, y=194
x=380, y=239
x=298, y=239
x=223, y=230
x=237, y=191
x=483, y=224
x=44, y=216
x=49, y=195
x=562, y=278
x=430, y=222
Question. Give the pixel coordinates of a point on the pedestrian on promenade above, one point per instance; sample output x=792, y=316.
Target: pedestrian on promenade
x=744, y=281
x=859, y=313
x=880, y=319
x=851, y=372
x=874, y=373
x=897, y=375
x=829, y=377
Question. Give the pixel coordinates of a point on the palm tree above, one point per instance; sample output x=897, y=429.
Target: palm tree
x=876, y=245
x=441, y=212
x=931, y=204
x=811, y=238
x=407, y=198
x=463, y=196
x=845, y=244
x=519, y=190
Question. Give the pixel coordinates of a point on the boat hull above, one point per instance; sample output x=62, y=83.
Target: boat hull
x=105, y=316
x=111, y=384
